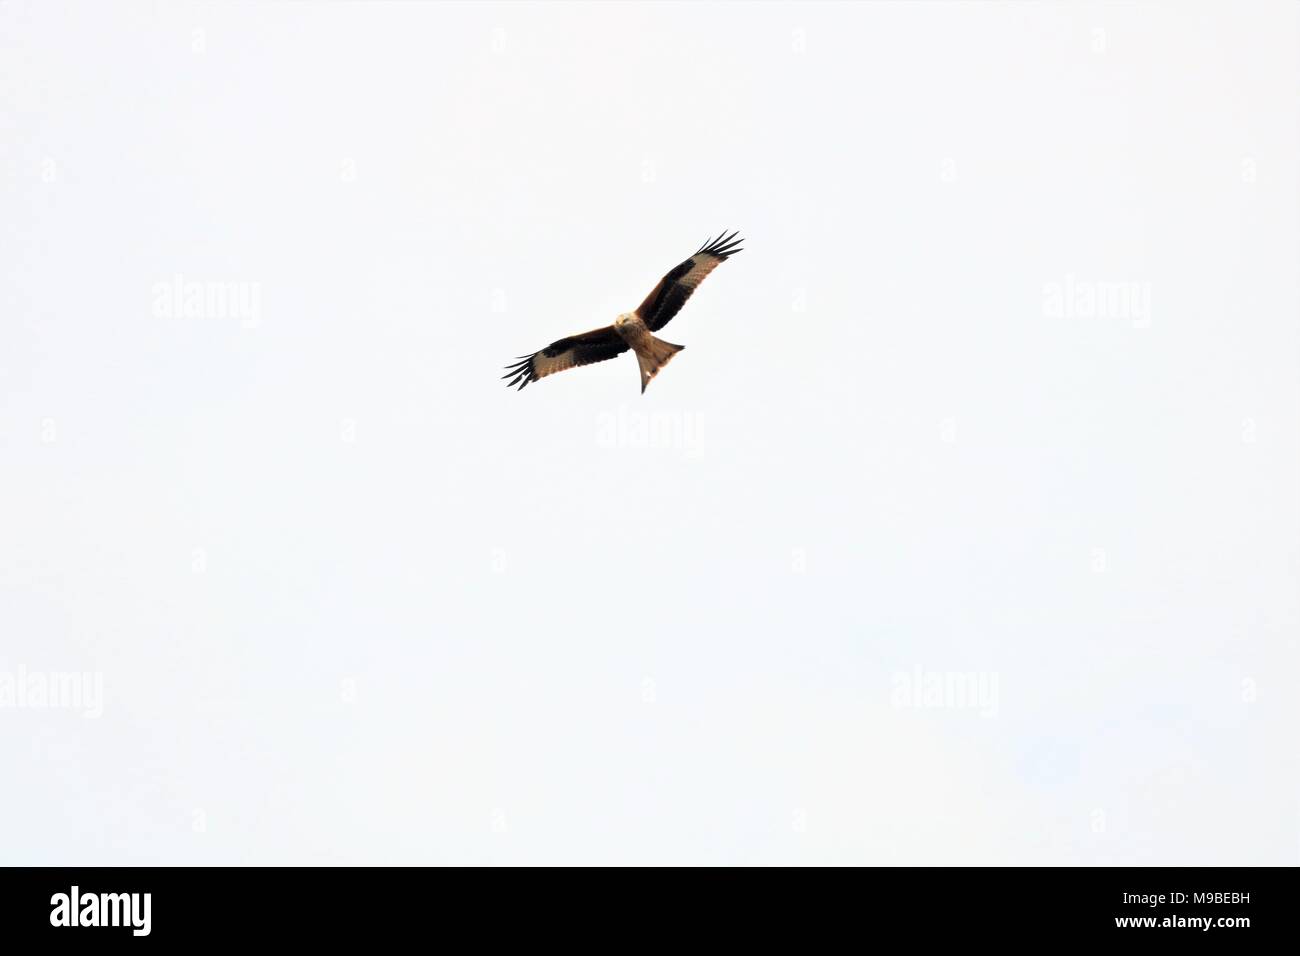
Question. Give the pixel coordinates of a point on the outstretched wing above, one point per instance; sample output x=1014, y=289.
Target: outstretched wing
x=594, y=346
x=676, y=287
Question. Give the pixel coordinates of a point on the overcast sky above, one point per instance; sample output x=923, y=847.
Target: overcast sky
x=965, y=530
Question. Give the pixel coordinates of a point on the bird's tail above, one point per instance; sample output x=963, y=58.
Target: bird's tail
x=652, y=354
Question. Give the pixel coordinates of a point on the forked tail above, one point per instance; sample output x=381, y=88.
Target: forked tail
x=652, y=354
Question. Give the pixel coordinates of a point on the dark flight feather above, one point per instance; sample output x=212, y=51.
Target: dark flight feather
x=668, y=297
x=585, y=349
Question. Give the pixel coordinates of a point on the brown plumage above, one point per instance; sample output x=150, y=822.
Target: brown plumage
x=632, y=329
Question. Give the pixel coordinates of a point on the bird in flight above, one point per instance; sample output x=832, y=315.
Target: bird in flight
x=631, y=330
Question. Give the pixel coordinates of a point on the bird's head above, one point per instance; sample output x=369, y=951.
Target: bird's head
x=624, y=320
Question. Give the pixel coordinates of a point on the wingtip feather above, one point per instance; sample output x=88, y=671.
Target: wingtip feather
x=520, y=371
x=725, y=245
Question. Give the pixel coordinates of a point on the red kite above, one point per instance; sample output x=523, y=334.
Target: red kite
x=631, y=330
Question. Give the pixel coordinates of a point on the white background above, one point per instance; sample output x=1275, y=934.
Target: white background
x=351, y=600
